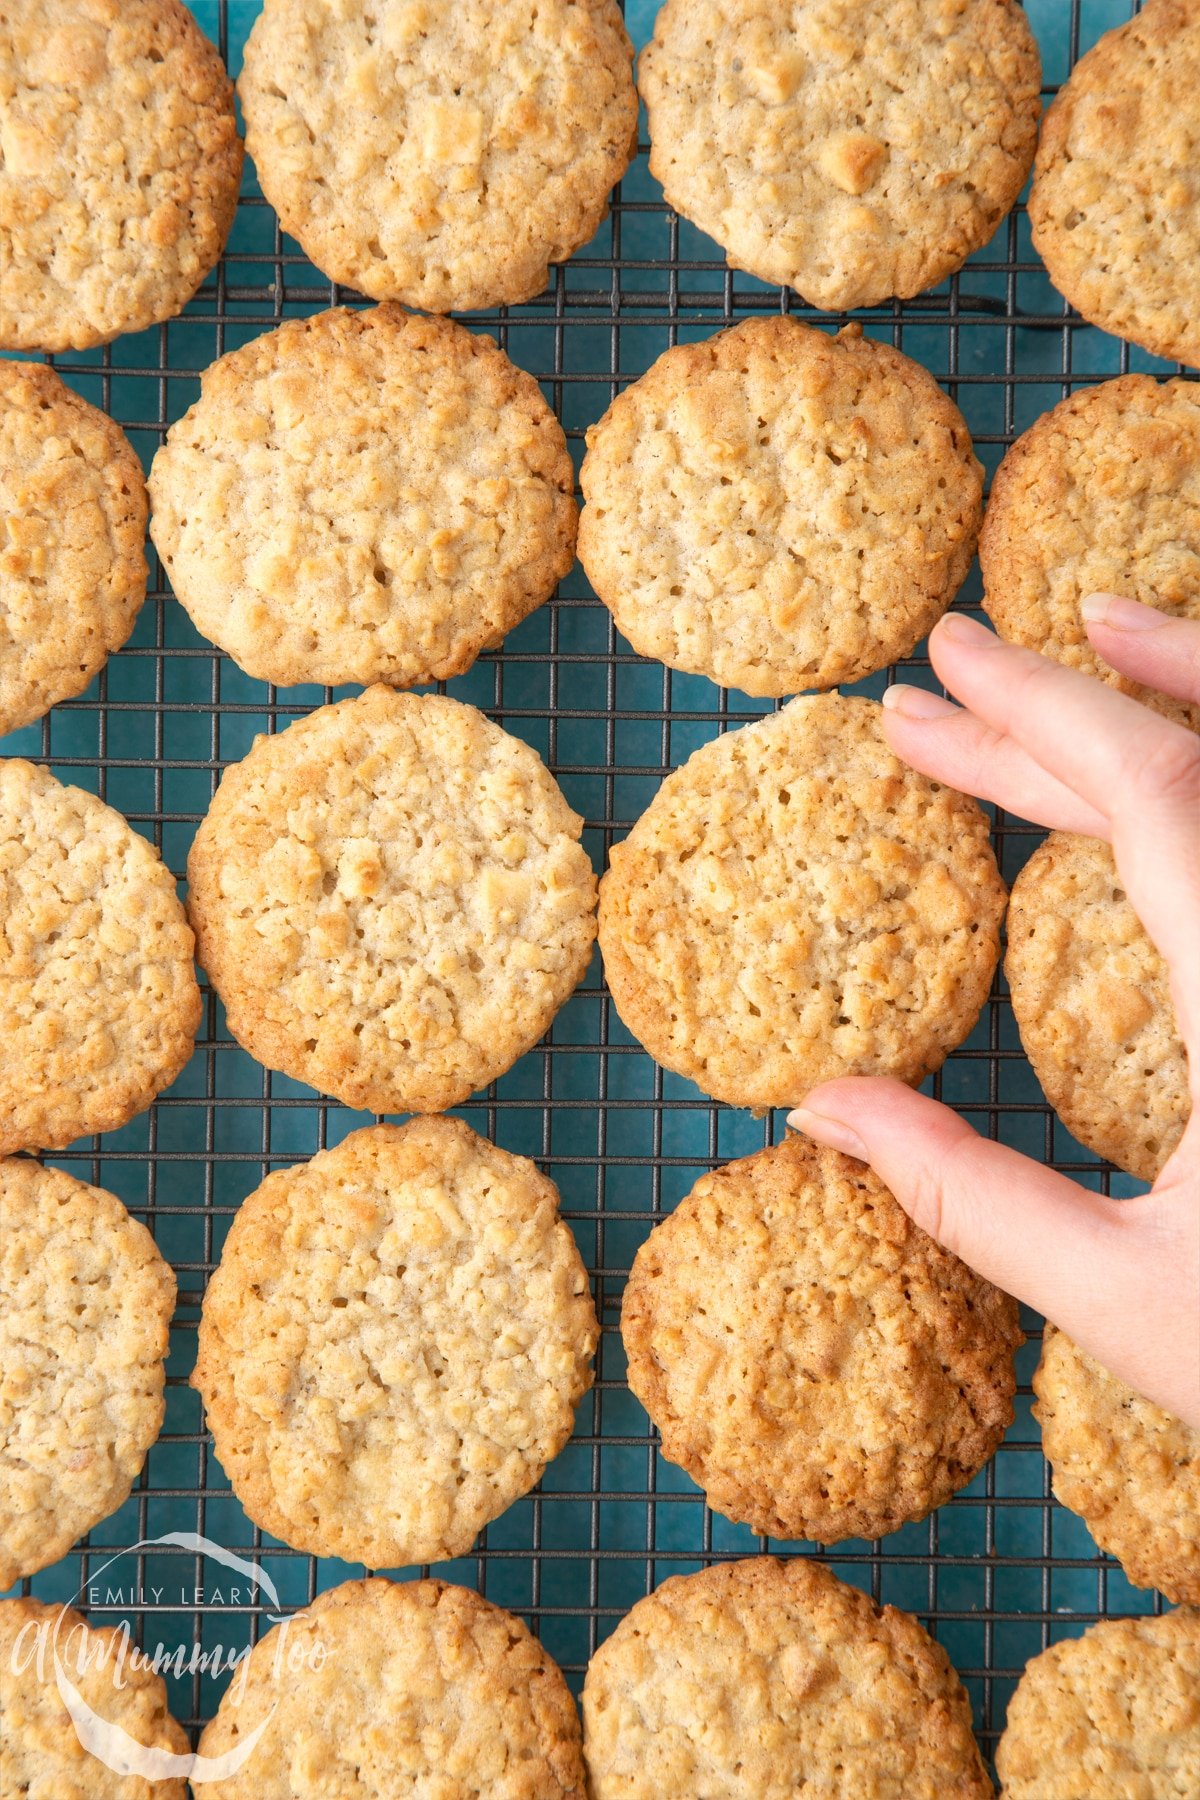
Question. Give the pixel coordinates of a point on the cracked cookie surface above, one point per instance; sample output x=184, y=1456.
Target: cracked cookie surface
x=392, y=900
x=815, y=1362
x=497, y=130
x=394, y=1344
x=850, y=149
x=101, y=231
x=364, y=496
x=797, y=904
x=779, y=509
x=98, y=998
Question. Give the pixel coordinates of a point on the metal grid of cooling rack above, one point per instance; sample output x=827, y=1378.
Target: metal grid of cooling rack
x=1001, y=1569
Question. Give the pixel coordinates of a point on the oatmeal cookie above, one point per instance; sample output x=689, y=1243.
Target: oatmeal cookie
x=436, y=153
x=1101, y=495
x=815, y=1362
x=796, y=903
x=1092, y=1000
x=1109, y=1715
x=391, y=900
x=850, y=149
x=773, y=1679
x=98, y=998
x=363, y=496
x=85, y=1307
x=40, y=1750
x=394, y=1344
x=1115, y=203
x=72, y=569
x=780, y=509
x=420, y=1688
x=103, y=232
x=1130, y=1470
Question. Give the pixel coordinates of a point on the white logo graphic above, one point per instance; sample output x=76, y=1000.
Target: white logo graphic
x=108, y=1742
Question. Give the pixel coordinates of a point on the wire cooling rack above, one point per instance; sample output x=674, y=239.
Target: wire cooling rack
x=1000, y=1571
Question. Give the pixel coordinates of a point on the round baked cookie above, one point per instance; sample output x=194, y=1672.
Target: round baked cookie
x=851, y=152
x=72, y=569
x=40, y=1749
x=1115, y=202
x=772, y=1679
x=817, y=1364
x=1092, y=1001
x=98, y=998
x=394, y=1344
x=364, y=496
x=392, y=901
x=419, y=1688
x=1101, y=495
x=85, y=1306
x=1130, y=1470
x=780, y=509
x=796, y=903
x=440, y=152
x=98, y=236
x=1112, y=1714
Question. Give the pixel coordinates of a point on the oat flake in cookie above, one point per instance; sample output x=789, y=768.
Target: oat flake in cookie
x=764, y=1680
x=72, y=569
x=1109, y=1715
x=85, y=1305
x=98, y=998
x=364, y=496
x=394, y=1344
x=1130, y=1470
x=796, y=903
x=413, y=1689
x=41, y=1757
x=440, y=152
x=1115, y=203
x=392, y=900
x=120, y=169
x=815, y=1362
x=779, y=509
x=850, y=149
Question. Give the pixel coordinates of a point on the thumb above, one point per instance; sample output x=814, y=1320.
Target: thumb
x=1073, y=1255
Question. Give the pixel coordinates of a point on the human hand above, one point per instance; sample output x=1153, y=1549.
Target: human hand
x=1121, y=1277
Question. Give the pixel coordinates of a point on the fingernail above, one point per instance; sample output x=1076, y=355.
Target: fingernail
x=915, y=702
x=963, y=630
x=1120, y=614
x=830, y=1132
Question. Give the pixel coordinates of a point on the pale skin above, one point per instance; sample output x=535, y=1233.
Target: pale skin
x=1121, y=1277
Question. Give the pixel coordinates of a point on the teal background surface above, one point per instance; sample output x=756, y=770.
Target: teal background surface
x=998, y=1572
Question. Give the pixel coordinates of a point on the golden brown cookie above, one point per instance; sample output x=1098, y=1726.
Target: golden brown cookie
x=774, y=1679
x=364, y=496
x=119, y=178
x=1101, y=495
x=40, y=1749
x=440, y=154
x=817, y=1364
x=420, y=1688
x=848, y=150
x=796, y=903
x=1092, y=1000
x=391, y=900
x=1115, y=203
x=394, y=1344
x=779, y=509
x=98, y=997
x=1107, y=1716
x=85, y=1306
x=1130, y=1470
x=72, y=568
